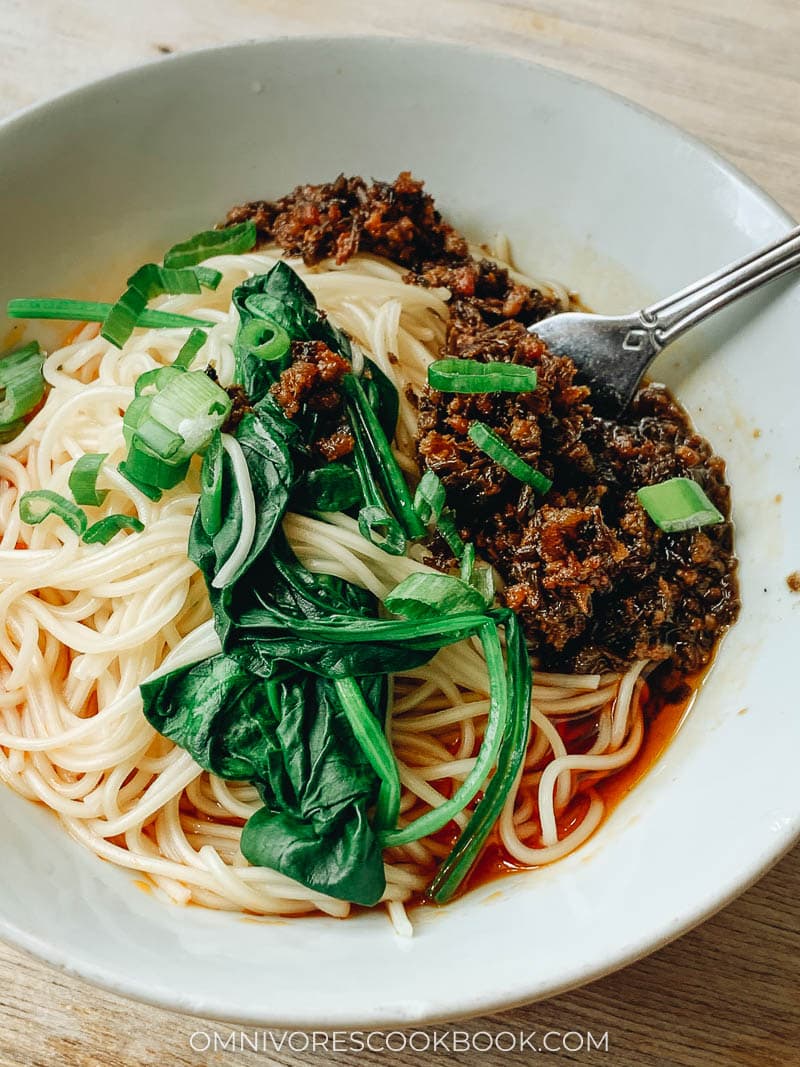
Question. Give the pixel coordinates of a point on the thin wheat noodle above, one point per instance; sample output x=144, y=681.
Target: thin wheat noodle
x=72, y=732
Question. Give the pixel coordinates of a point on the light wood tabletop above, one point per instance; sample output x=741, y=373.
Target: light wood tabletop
x=728, y=71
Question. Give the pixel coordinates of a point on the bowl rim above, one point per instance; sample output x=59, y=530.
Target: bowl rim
x=759, y=862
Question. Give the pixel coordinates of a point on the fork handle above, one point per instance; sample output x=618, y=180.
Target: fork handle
x=670, y=317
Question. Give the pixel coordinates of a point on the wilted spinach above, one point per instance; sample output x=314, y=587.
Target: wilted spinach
x=292, y=701
x=290, y=738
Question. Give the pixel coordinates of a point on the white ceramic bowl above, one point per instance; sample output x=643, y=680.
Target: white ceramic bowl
x=593, y=191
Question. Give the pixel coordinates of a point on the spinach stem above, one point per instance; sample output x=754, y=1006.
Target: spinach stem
x=386, y=466
x=434, y=820
x=510, y=759
x=375, y=747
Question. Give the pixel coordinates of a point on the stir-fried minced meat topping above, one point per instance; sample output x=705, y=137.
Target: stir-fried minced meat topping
x=310, y=382
x=337, y=219
x=595, y=582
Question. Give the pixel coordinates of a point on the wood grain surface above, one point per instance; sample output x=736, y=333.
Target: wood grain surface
x=727, y=70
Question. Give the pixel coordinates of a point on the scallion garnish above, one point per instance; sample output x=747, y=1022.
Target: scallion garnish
x=36, y=505
x=21, y=387
x=189, y=349
x=678, y=504
x=146, y=283
x=422, y=594
x=93, y=311
x=384, y=465
x=158, y=377
x=152, y=492
x=447, y=529
x=164, y=429
x=193, y=406
x=83, y=479
x=121, y=320
x=495, y=448
x=158, y=439
x=429, y=498
x=468, y=563
x=263, y=338
x=152, y=280
x=232, y=241
x=101, y=532
x=377, y=526
x=143, y=467
x=470, y=376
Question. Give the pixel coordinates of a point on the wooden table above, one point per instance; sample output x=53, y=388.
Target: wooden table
x=728, y=70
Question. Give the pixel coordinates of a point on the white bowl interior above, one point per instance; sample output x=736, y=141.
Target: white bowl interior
x=592, y=191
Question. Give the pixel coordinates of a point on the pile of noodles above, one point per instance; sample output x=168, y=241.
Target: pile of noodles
x=84, y=625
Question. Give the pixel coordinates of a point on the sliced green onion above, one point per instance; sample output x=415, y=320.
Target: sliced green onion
x=123, y=317
x=678, y=504
x=21, y=386
x=38, y=504
x=447, y=529
x=158, y=377
x=422, y=594
x=152, y=280
x=208, y=277
x=211, y=487
x=263, y=338
x=191, y=346
x=158, y=439
x=468, y=563
x=429, y=498
x=479, y=578
x=232, y=241
x=145, y=467
x=494, y=447
x=12, y=430
x=470, y=376
x=164, y=429
x=146, y=283
x=193, y=406
x=152, y=492
x=373, y=743
x=381, y=529
x=83, y=479
x=482, y=579
x=137, y=411
x=93, y=311
x=101, y=532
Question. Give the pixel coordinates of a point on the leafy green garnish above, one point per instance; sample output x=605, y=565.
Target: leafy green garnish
x=296, y=700
x=39, y=504
x=334, y=487
x=21, y=387
x=101, y=532
x=83, y=479
x=290, y=737
x=470, y=376
x=232, y=241
x=93, y=311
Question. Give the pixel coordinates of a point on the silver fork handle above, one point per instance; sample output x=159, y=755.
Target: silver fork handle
x=672, y=316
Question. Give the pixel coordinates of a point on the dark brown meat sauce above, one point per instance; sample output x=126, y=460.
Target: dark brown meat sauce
x=596, y=583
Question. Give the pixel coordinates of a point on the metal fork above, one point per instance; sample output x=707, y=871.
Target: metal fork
x=613, y=352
